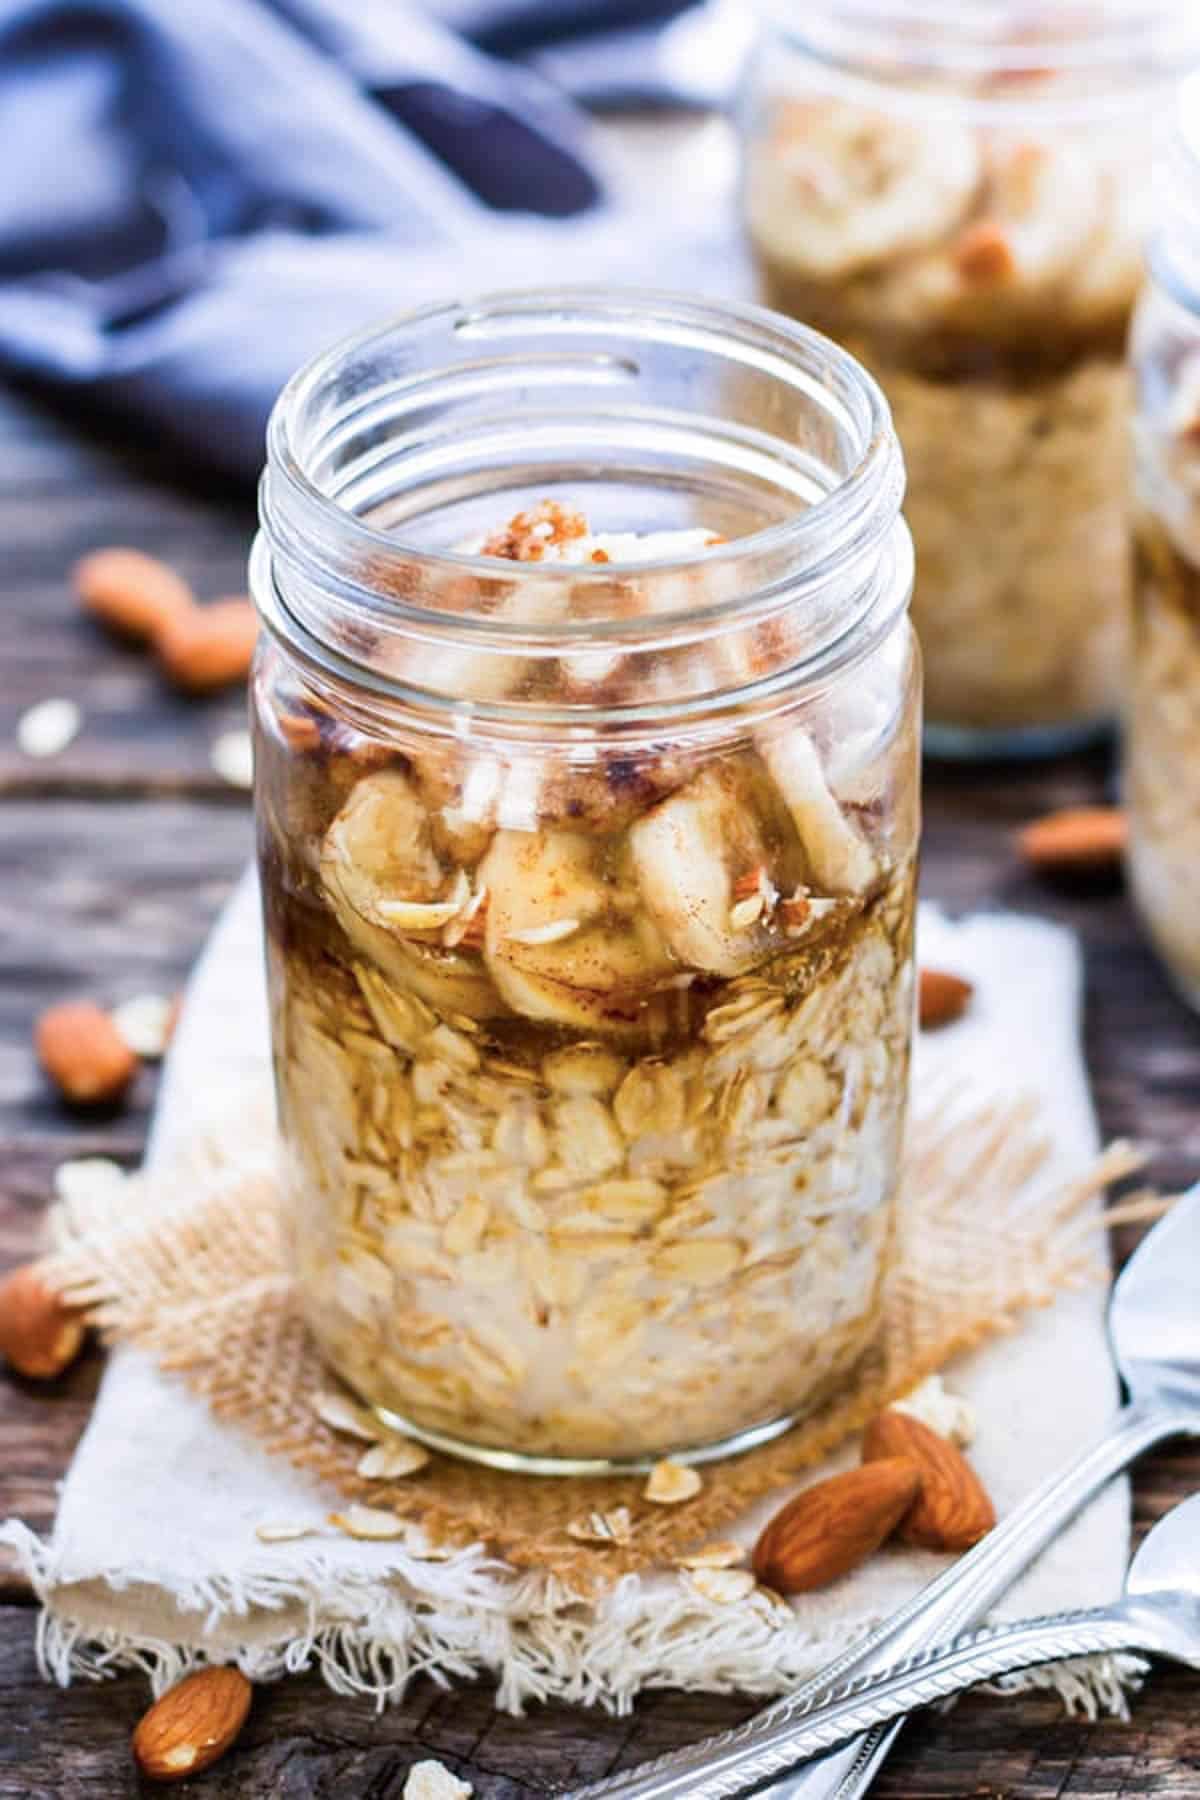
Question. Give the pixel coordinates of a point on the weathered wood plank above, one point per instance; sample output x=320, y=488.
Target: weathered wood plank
x=301, y=1741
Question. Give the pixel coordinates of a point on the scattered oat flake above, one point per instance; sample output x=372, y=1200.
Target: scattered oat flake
x=724, y=1586
x=47, y=728
x=282, y=1534
x=369, y=1522
x=669, y=1483
x=88, y=1178
x=232, y=756
x=145, y=1023
x=343, y=1414
x=615, y=1527
x=948, y=1414
x=434, y=1781
x=392, y=1458
x=722, y=1555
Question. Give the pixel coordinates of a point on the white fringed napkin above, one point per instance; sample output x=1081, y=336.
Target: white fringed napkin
x=154, y=1560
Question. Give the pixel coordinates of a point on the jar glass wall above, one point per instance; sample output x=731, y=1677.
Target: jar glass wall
x=587, y=755
x=1162, y=735
x=957, y=194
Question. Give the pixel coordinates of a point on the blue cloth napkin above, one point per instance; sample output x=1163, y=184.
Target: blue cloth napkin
x=199, y=194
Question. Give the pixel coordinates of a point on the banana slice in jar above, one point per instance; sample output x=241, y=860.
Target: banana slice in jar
x=837, y=187
x=840, y=860
x=393, y=896
x=693, y=851
x=566, y=938
x=1033, y=230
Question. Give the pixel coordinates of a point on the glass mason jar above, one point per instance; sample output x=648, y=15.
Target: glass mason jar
x=955, y=192
x=1162, y=735
x=588, y=865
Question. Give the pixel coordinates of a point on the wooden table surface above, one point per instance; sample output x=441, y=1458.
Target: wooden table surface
x=116, y=856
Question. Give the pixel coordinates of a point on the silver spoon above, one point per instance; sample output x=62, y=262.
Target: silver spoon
x=1158, y=1612
x=1154, y=1325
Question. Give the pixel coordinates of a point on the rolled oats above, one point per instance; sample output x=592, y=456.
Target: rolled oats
x=392, y=1459
x=724, y=1554
x=670, y=1483
x=725, y=1586
x=369, y=1522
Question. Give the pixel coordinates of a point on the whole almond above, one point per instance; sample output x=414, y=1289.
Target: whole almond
x=131, y=593
x=1081, y=840
x=193, y=1724
x=952, y=1510
x=209, y=647
x=83, y=1053
x=941, y=998
x=832, y=1527
x=39, y=1334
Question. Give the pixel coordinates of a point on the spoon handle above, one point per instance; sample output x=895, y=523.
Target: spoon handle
x=934, y=1616
x=858, y=1705
x=961, y=1595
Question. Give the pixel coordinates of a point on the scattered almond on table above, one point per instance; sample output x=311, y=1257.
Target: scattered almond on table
x=912, y=1484
x=40, y=1335
x=193, y=1724
x=833, y=1526
x=83, y=1052
x=201, y=647
x=209, y=646
x=135, y=595
x=941, y=998
x=1081, y=840
x=952, y=1510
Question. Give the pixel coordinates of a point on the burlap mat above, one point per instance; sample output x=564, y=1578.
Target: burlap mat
x=191, y=1269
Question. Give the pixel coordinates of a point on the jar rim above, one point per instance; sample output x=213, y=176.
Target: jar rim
x=867, y=496
x=1141, y=42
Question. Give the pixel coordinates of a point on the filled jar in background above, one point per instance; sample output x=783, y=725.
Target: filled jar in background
x=587, y=781
x=956, y=193
x=1162, y=737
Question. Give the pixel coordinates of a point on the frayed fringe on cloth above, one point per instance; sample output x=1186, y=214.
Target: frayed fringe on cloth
x=485, y=1624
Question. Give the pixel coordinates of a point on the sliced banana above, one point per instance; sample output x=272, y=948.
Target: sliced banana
x=566, y=939
x=839, y=860
x=691, y=851
x=1036, y=222
x=393, y=897
x=838, y=187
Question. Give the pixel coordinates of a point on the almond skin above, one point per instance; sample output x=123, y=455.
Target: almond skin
x=39, y=1335
x=830, y=1528
x=192, y=1725
x=984, y=254
x=1082, y=840
x=83, y=1053
x=209, y=647
x=133, y=594
x=952, y=1510
x=941, y=998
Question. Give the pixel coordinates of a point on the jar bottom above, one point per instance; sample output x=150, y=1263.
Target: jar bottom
x=735, y=1443
x=1026, y=743
x=516, y=1462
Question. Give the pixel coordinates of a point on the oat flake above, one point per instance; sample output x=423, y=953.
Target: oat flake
x=434, y=1781
x=47, y=728
x=232, y=756
x=145, y=1023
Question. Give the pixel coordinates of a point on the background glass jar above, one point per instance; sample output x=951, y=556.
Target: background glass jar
x=588, y=884
x=1162, y=737
x=955, y=192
